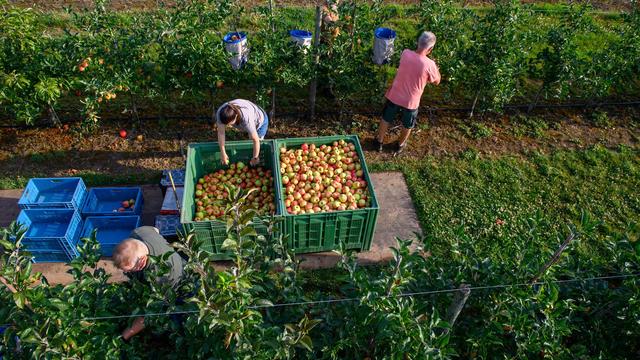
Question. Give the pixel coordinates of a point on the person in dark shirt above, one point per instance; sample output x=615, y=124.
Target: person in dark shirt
x=132, y=257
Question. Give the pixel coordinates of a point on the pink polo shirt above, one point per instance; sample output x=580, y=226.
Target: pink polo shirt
x=415, y=71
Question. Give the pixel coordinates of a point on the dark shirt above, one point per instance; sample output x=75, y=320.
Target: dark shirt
x=158, y=246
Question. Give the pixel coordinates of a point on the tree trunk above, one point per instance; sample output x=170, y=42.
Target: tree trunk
x=473, y=107
x=272, y=113
x=134, y=109
x=535, y=101
x=53, y=116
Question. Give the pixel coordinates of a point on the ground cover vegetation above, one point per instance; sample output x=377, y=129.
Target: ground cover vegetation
x=101, y=61
x=486, y=222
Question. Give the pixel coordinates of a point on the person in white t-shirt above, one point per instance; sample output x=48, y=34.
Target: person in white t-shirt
x=246, y=116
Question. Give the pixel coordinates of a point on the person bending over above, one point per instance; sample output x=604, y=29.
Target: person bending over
x=246, y=116
x=132, y=257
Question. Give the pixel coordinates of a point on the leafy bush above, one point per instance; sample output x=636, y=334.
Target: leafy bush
x=258, y=307
x=487, y=57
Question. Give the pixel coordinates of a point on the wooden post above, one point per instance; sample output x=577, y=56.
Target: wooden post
x=459, y=300
x=314, y=83
x=554, y=259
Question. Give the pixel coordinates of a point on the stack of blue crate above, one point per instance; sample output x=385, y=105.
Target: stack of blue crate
x=51, y=214
x=168, y=221
x=113, y=213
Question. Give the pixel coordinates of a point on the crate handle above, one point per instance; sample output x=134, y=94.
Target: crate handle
x=55, y=180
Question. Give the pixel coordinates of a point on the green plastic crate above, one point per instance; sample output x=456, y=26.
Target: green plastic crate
x=204, y=158
x=318, y=232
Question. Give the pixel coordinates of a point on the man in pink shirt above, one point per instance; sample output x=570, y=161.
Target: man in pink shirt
x=415, y=71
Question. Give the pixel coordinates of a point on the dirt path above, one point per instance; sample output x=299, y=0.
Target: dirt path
x=55, y=152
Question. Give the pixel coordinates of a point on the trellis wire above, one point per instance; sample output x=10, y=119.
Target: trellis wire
x=402, y=295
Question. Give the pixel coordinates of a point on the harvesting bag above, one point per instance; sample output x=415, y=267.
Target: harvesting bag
x=236, y=45
x=301, y=37
x=383, y=45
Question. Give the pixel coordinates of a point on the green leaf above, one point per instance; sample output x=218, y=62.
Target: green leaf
x=306, y=342
x=264, y=302
x=247, y=217
x=229, y=223
x=312, y=323
x=229, y=244
x=19, y=300
x=8, y=245
x=248, y=231
x=59, y=304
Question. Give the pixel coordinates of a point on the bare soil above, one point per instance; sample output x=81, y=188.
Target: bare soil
x=60, y=152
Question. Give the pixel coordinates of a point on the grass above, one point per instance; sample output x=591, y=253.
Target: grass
x=90, y=178
x=601, y=119
x=531, y=126
x=475, y=130
x=491, y=205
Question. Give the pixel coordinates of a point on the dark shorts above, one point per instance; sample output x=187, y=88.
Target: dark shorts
x=408, y=117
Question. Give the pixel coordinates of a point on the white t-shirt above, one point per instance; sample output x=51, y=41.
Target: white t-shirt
x=251, y=119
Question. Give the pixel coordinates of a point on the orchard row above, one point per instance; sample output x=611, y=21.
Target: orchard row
x=488, y=58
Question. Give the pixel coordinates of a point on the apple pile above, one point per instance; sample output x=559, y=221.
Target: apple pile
x=126, y=205
x=211, y=194
x=323, y=178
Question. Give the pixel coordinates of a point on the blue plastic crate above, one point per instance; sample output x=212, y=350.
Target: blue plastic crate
x=51, y=256
x=178, y=177
x=167, y=224
x=107, y=201
x=51, y=231
x=50, y=193
x=111, y=230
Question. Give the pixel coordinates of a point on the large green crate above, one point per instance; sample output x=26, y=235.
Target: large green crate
x=204, y=158
x=325, y=231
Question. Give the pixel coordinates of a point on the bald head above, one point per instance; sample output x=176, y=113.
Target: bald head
x=126, y=253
